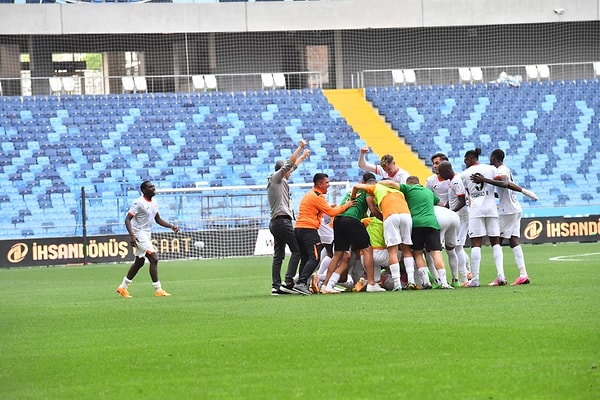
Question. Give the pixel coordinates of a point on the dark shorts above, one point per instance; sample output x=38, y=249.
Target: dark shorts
x=426, y=238
x=348, y=231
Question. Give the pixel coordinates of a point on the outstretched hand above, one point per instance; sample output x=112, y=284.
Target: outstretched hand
x=364, y=150
x=350, y=203
x=529, y=194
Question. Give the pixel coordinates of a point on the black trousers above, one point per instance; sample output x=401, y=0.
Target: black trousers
x=310, y=245
x=282, y=230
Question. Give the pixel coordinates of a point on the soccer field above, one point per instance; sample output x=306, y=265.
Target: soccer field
x=66, y=334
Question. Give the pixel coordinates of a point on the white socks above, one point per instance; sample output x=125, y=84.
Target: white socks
x=126, y=282
x=323, y=267
x=498, y=260
x=475, y=262
x=453, y=262
x=520, y=260
x=409, y=265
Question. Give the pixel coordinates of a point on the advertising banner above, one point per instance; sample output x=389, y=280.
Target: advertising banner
x=560, y=229
x=232, y=243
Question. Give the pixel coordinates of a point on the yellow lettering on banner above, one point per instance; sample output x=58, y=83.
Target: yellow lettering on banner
x=572, y=229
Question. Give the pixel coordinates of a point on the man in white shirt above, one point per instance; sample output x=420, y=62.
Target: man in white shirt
x=509, y=210
x=457, y=202
x=387, y=167
x=448, y=220
x=483, y=217
x=140, y=217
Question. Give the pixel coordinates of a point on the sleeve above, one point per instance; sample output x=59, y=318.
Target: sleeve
x=133, y=210
x=325, y=208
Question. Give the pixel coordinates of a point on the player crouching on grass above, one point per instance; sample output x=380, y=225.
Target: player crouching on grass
x=138, y=222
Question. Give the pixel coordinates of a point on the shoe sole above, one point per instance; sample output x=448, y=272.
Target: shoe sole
x=301, y=292
x=522, y=283
x=286, y=290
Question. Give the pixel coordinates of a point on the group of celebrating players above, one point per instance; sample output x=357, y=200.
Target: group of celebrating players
x=394, y=229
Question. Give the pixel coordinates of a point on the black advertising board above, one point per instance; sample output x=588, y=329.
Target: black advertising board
x=560, y=229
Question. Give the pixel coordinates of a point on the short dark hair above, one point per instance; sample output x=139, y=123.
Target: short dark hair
x=473, y=153
x=440, y=155
x=319, y=176
x=279, y=164
x=498, y=154
x=367, y=176
x=144, y=184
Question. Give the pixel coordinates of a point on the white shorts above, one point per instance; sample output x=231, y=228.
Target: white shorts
x=144, y=245
x=381, y=258
x=463, y=230
x=326, y=233
x=397, y=229
x=484, y=226
x=510, y=225
x=449, y=225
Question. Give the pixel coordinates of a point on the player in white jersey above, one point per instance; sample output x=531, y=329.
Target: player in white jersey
x=435, y=182
x=457, y=202
x=483, y=216
x=509, y=210
x=448, y=220
x=139, y=220
x=387, y=167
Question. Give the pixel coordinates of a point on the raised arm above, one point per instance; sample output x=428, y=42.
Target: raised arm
x=301, y=145
x=304, y=156
x=362, y=162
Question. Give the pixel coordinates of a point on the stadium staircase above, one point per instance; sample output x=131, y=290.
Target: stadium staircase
x=370, y=126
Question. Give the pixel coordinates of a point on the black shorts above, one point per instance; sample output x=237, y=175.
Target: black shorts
x=348, y=231
x=426, y=238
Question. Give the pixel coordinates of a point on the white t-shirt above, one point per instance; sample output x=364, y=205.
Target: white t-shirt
x=482, y=202
x=144, y=211
x=438, y=186
x=456, y=189
x=400, y=176
x=508, y=203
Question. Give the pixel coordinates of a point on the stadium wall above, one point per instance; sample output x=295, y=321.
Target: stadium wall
x=66, y=19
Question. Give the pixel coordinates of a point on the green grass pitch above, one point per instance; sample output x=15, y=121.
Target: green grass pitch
x=66, y=334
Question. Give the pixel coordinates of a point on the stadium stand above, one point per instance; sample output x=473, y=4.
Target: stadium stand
x=52, y=146
x=548, y=130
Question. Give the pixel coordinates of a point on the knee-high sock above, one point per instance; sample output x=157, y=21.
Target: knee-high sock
x=475, y=261
x=498, y=259
x=453, y=261
x=409, y=265
x=520, y=260
x=462, y=257
x=442, y=274
x=323, y=267
x=395, y=271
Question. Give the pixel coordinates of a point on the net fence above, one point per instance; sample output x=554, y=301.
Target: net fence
x=184, y=62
